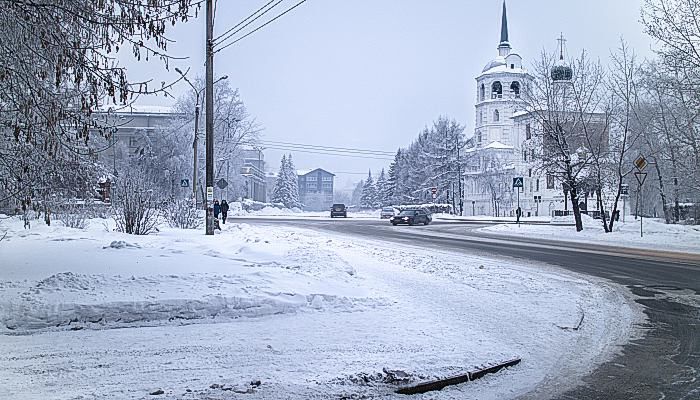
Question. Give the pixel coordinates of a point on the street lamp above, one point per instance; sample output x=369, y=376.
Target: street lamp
x=197, y=93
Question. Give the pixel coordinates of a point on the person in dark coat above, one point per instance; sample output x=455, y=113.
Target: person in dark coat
x=224, y=210
x=217, y=209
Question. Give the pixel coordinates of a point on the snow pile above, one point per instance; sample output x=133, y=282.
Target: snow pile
x=657, y=234
x=89, y=286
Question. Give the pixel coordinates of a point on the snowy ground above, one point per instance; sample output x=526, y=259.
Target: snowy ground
x=94, y=314
x=657, y=234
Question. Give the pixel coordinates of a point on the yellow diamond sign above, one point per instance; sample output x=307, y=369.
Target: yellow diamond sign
x=640, y=163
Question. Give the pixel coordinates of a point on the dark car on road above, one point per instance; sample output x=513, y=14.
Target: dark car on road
x=412, y=217
x=339, y=210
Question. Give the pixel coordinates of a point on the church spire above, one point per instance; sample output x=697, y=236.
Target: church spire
x=504, y=25
x=504, y=46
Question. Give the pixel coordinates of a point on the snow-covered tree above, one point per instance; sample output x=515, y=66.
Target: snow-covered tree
x=293, y=182
x=58, y=66
x=383, y=190
x=286, y=189
x=435, y=159
x=356, y=198
x=369, y=193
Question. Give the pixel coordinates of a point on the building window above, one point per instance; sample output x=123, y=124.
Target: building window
x=529, y=173
x=512, y=66
x=537, y=185
x=481, y=116
x=310, y=186
x=496, y=90
x=311, y=178
x=327, y=186
x=525, y=155
x=482, y=92
x=550, y=181
x=515, y=89
x=496, y=116
x=327, y=179
x=133, y=141
x=478, y=137
x=532, y=155
x=528, y=132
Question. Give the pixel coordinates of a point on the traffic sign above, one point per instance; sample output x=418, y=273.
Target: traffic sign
x=184, y=183
x=640, y=162
x=624, y=189
x=641, y=177
x=221, y=183
x=210, y=193
x=518, y=182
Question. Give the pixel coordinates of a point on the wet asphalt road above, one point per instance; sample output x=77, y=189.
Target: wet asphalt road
x=663, y=364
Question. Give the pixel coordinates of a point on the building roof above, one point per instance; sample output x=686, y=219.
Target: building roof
x=137, y=109
x=498, y=146
x=302, y=172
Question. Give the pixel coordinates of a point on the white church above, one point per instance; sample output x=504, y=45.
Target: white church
x=502, y=145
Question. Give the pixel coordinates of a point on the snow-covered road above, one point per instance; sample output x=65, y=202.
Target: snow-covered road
x=310, y=315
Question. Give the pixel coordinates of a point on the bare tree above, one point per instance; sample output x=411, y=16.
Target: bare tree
x=234, y=129
x=628, y=121
x=58, y=62
x=571, y=125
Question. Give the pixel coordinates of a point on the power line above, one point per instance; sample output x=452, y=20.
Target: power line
x=329, y=148
x=232, y=31
x=345, y=154
x=261, y=26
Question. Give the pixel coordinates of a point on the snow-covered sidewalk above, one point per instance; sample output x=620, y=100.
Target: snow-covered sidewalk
x=657, y=234
x=310, y=315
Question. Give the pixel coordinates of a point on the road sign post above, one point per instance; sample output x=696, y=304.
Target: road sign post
x=640, y=163
x=517, y=184
x=624, y=191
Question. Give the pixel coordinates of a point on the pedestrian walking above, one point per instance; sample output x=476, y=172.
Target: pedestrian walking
x=224, y=210
x=217, y=209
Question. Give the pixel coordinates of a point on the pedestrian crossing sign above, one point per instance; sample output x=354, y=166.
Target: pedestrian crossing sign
x=518, y=182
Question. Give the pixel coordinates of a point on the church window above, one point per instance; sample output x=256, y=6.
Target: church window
x=496, y=116
x=482, y=92
x=537, y=185
x=528, y=132
x=512, y=66
x=515, y=89
x=524, y=155
x=550, y=181
x=496, y=90
x=478, y=137
x=481, y=116
x=529, y=173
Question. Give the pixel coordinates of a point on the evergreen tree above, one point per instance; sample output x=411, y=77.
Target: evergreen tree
x=369, y=193
x=278, y=193
x=382, y=192
x=357, y=193
x=292, y=182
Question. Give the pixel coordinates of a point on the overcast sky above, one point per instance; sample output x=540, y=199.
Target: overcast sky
x=371, y=74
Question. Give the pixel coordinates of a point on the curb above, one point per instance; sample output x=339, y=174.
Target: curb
x=457, y=379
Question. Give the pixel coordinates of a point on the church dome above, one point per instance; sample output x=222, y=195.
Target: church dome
x=497, y=62
x=561, y=73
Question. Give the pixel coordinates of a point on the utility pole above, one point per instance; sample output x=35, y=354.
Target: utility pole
x=194, y=146
x=209, y=99
x=459, y=181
